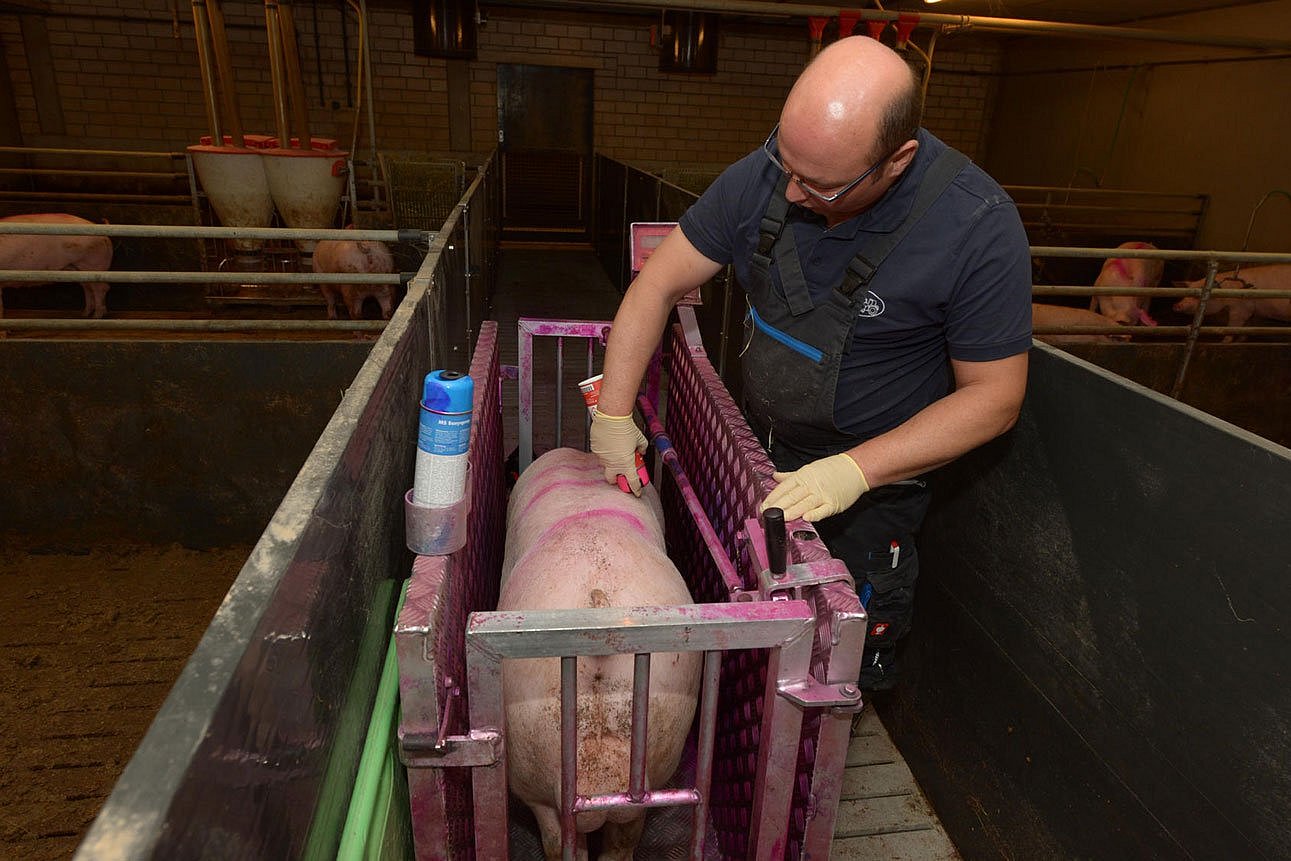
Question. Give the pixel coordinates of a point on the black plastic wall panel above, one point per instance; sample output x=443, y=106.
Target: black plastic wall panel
x=1098, y=667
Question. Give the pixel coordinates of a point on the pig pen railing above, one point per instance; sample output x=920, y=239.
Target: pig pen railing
x=255, y=751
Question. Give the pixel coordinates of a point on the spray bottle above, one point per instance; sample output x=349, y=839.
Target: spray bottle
x=591, y=389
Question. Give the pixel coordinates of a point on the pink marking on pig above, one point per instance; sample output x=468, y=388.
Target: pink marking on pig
x=555, y=485
x=631, y=519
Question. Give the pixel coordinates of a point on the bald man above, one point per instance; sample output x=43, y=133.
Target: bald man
x=888, y=283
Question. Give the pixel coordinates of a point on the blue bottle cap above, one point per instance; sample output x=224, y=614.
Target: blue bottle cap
x=448, y=392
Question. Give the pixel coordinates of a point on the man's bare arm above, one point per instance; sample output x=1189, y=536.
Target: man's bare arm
x=673, y=270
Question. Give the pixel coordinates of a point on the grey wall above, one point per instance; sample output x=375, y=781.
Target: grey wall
x=192, y=442
x=1098, y=665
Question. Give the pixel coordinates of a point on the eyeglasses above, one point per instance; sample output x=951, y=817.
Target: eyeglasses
x=819, y=195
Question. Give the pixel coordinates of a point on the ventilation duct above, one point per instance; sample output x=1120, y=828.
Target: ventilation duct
x=444, y=28
x=688, y=42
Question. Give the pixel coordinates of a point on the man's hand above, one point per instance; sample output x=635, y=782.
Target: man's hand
x=616, y=440
x=820, y=489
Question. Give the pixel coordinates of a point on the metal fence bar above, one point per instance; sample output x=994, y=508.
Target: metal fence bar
x=76, y=276
x=44, y=150
x=249, y=326
x=186, y=231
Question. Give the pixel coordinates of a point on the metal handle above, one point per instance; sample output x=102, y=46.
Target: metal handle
x=777, y=540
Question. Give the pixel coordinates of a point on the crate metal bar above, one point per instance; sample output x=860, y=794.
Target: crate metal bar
x=560, y=388
x=656, y=798
x=640, y=720
x=785, y=627
x=712, y=676
x=249, y=326
x=712, y=541
x=529, y=328
x=568, y=755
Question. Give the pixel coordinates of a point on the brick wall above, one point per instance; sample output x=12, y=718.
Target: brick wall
x=127, y=77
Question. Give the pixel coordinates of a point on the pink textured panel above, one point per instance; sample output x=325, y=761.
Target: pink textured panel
x=731, y=473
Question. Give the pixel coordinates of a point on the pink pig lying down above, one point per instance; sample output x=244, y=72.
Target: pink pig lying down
x=54, y=253
x=574, y=541
x=347, y=255
x=1128, y=272
x=1061, y=315
x=1274, y=277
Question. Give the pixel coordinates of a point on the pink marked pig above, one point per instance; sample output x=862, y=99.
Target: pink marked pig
x=574, y=541
x=1240, y=311
x=55, y=253
x=348, y=255
x=1128, y=272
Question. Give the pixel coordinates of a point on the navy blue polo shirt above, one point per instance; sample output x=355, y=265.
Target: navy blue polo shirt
x=958, y=286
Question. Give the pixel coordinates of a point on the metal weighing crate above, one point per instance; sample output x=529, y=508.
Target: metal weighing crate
x=780, y=704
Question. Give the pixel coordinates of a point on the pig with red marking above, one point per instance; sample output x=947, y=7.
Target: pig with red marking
x=57, y=253
x=359, y=257
x=1128, y=272
x=574, y=541
x=1240, y=311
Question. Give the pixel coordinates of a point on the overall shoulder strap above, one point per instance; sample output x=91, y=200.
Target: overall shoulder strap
x=938, y=178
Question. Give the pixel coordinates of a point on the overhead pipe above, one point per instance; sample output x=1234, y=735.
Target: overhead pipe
x=965, y=22
x=276, y=71
x=202, y=28
x=295, y=82
x=224, y=68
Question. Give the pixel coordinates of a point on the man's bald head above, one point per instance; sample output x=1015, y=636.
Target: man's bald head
x=856, y=91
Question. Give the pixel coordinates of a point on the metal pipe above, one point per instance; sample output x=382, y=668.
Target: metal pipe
x=73, y=276
x=203, y=37
x=712, y=540
x=652, y=798
x=1161, y=254
x=367, y=83
x=104, y=198
x=640, y=725
x=958, y=22
x=712, y=676
x=276, y=72
x=189, y=231
x=224, y=67
x=50, y=150
x=250, y=326
x=295, y=83
x=560, y=384
x=1161, y=292
x=568, y=755
x=114, y=174
x=1212, y=269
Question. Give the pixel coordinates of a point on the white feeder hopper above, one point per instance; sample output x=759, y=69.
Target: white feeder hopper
x=235, y=183
x=306, y=184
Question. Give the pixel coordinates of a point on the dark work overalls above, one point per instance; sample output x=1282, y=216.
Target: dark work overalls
x=791, y=367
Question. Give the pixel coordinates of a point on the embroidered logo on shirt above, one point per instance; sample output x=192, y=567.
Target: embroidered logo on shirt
x=871, y=305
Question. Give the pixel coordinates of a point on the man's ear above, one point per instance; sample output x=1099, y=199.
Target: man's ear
x=902, y=158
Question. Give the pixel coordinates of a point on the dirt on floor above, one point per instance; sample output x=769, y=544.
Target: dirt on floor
x=90, y=645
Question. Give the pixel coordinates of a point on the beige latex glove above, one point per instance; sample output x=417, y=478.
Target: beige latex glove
x=616, y=440
x=820, y=489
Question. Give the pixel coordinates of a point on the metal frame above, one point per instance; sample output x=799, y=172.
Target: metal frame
x=784, y=627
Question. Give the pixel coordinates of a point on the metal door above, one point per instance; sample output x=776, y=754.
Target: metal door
x=545, y=137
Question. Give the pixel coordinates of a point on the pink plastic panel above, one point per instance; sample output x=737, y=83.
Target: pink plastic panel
x=447, y=589
x=731, y=473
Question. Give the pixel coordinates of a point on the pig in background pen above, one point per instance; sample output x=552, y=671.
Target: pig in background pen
x=356, y=257
x=1102, y=310
x=57, y=253
x=1241, y=312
